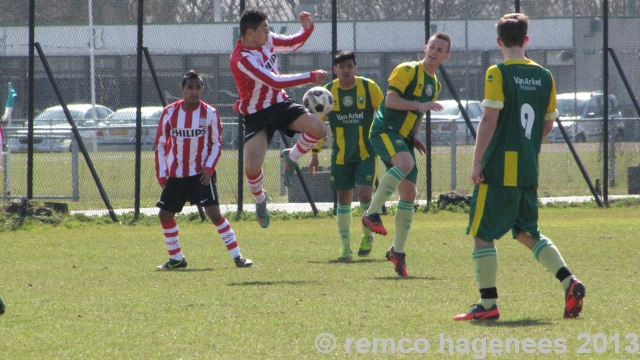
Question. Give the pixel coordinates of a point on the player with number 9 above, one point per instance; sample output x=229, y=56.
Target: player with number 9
x=519, y=110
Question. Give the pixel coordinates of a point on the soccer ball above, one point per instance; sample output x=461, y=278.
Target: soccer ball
x=318, y=100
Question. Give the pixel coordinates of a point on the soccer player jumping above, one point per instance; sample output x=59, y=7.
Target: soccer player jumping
x=519, y=110
x=265, y=105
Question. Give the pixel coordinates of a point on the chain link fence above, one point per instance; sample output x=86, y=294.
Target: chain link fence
x=92, y=53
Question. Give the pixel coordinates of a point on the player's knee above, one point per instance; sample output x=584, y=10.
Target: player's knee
x=317, y=127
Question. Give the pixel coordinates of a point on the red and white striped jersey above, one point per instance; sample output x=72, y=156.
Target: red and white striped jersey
x=187, y=142
x=255, y=71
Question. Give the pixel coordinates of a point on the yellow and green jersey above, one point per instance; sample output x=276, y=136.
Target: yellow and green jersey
x=525, y=94
x=411, y=82
x=351, y=118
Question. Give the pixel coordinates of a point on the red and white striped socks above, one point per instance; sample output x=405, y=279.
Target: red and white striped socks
x=170, y=229
x=255, y=185
x=228, y=237
x=305, y=143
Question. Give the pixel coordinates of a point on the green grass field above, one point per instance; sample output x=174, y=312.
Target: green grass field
x=91, y=290
x=560, y=176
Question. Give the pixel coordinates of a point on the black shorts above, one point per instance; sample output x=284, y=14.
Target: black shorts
x=275, y=117
x=180, y=190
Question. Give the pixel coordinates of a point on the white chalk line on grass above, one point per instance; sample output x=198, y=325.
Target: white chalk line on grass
x=321, y=206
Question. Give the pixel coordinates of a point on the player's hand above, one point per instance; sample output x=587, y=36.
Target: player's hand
x=205, y=178
x=162, y=185
x=476, y=174
x=431, y=105
x=305, y=20
x=313, y=164
x=321, y=76
x=419, y=145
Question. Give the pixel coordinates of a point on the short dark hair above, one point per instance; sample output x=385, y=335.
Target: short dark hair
x=251, y=19
x=344, y=55
x=191, y=74
x=442, y=36
x=512, y=29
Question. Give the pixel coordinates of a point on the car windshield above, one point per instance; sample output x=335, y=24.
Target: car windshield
x=126, y=117
x=123, y=117
x=570, y=107
x=56, y=117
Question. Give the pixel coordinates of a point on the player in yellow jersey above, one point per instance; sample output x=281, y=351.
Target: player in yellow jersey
x=519, y=110
x=413, y=89
x=353, y=160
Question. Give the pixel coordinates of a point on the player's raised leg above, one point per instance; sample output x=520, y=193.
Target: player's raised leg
x=311, y=130
x=548, y=255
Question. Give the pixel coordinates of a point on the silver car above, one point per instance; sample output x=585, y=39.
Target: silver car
x=120, y=127
x=449, y=123
x=52, y=132
x=581, y=114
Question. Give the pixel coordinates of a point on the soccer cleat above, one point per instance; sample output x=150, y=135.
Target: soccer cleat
x=174, y=264
x=241, y=261
x=478, y=312
x=366, y=245
x=398, y=260
x=374, y=223
x=289, y=167
x=2, y=306
x=262, y=215
x=574, y=298
x=346, y=255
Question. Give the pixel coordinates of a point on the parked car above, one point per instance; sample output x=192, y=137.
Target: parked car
x=120, y=127
x=449, y=121
x=51, y=130
x=582, y=113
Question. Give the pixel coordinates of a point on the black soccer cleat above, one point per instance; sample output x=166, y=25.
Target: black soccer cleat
x=241, y=261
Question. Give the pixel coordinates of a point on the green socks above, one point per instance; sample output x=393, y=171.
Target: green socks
x=344, y=225
x=547, y=254
x=388, y=184
x=403, y=220
x=485, y=261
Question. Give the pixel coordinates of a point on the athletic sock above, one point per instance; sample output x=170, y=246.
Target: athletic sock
x=305, y=143
x=485, y=261
x=403, y=220
x=255, y=185
x=343, y=219
x=364, y=207
x=547, y=254
x=170, y=229
x=228, y=237
x=388, y=184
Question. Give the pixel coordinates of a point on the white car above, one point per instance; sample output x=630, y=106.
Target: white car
x=120, y=127
x=52, y=132
x=449, y=123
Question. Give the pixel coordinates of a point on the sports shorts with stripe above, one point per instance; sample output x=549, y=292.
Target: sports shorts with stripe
x=276, y=117
x=180, y=190
x=496, y=209
x=344, y=176
x=389, y=143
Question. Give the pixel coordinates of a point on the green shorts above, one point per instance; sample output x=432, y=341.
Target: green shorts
x=389, y=143
x=343, y=177
x=496, y=209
